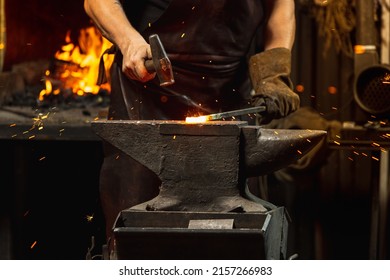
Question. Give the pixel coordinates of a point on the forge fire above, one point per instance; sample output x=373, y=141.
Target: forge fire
x=75, y=67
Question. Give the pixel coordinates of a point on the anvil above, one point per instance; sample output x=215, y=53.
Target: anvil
x=203, y=166
x=200, y=211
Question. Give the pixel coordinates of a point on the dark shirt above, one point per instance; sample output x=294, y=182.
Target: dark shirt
x=143, y=13
x=207, y=42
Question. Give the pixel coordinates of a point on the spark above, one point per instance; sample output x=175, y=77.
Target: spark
x=42, y=158
x=33, y=245
x=374, y=158
x=174, y=137
x=182, y=35
x=364, y=154
x=337, y=143
x=117, y=157
x=12, y=125
x=308, y=140
x=13, y=136
x=31, y=137
x=356, y=153
x=89, y=218
x=62, y=130
x=351, y=159
x=38, y=121
x=96, y=119
x=376, y=144
x=299, y=152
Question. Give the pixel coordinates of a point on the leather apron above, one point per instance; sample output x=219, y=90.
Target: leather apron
x=208, y=43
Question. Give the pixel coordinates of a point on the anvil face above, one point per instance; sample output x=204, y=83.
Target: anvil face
x=201, y=165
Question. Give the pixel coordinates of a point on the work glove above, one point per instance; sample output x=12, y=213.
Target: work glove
x=270, y=75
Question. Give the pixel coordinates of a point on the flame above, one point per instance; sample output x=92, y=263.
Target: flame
x=200, y=119
x=77, y=65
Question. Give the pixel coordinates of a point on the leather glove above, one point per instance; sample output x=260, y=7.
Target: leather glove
x=270, y=75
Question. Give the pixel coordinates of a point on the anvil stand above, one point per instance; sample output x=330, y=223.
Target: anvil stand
x=200, y=212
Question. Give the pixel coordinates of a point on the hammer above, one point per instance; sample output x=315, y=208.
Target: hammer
x=160, y=62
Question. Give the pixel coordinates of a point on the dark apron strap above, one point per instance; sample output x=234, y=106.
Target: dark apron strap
x=102, y=78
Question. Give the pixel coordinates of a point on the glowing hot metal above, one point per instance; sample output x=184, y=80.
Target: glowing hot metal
x=224, y=115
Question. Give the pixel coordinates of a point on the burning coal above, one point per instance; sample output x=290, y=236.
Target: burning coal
x=76, y=65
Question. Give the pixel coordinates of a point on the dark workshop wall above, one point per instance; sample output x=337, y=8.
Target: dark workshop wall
x=332, y=216
x=36, y=29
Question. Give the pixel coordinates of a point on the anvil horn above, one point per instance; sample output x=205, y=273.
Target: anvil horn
x=267, y=150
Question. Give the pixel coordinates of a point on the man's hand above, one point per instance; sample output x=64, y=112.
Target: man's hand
x=134, y=55
x=270, y=75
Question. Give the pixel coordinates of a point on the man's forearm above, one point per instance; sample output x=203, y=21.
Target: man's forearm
x=110, y=18
x=280, y=29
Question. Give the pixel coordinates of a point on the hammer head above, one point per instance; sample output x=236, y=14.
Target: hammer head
x=160, y=62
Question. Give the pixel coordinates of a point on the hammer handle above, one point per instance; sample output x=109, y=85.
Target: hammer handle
x=150, y=66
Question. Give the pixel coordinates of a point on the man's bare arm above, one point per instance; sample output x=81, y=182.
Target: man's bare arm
x=110, y=18
x=280, y=29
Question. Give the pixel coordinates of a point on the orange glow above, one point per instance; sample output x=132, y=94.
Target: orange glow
x=300, y=88
x=77, y=65
x=332, y=90
x=200, y=119
x=359, y=49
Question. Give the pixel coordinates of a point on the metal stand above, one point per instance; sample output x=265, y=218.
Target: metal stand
x=195, y=235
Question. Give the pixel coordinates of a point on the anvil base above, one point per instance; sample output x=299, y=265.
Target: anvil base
x=176, y=235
